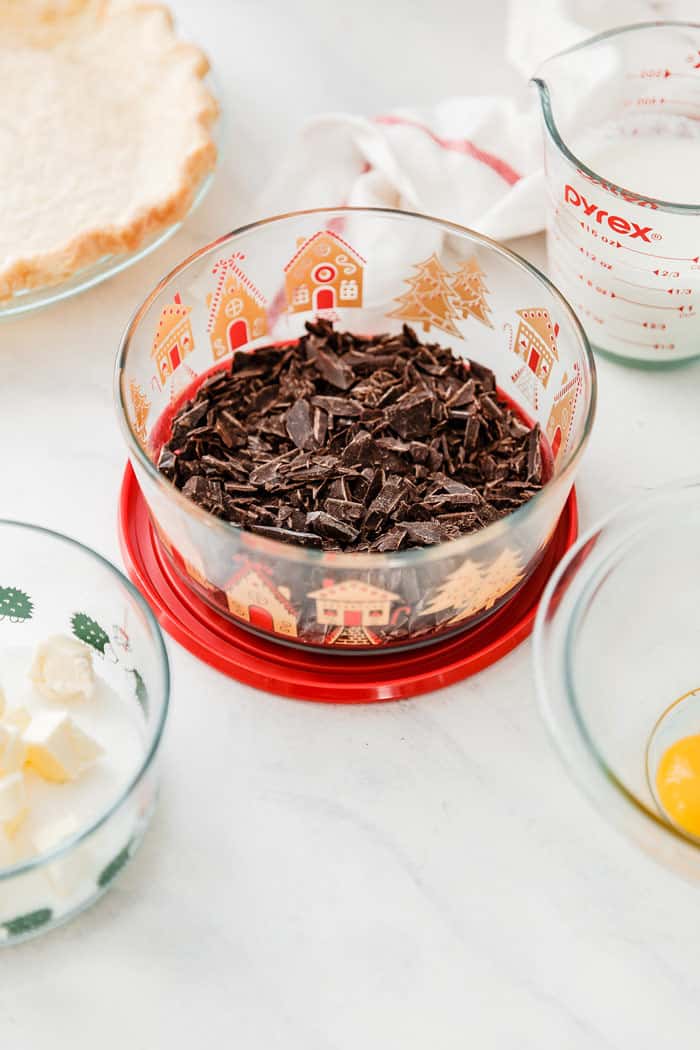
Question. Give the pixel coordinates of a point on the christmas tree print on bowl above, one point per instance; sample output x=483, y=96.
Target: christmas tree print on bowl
x=15, y=605
x=89, y=631
x=437, y=297
x=470, y=290
x=429, y=300
x=473, y=588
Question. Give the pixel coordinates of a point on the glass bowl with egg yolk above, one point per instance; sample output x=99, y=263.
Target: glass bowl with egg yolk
x=617, y=663
x=84, y=687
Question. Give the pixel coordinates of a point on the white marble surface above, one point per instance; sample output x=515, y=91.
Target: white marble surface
x=415, y=875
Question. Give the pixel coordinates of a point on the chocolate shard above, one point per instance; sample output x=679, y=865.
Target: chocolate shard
x=300, y=539
x=360, y=451
x=452, y=500
x=410, y=415
x=385, y=502
x=299, y=424
x=490, y=408
x=326, y=525
x=344, y=510
x=190, y=417
x=232, y=433
x=464, y=395
x=425, y=533
x=265, y=398
x=320, y=426
x=167, y=462
x=337, y=406
x=484, y=375
x=257, y=362
x=201, y=488
x=393, y=540
x=471, y=432
x=269, y=470
x=334, y=370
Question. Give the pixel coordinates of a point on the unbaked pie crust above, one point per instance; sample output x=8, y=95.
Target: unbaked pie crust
x=105, y=133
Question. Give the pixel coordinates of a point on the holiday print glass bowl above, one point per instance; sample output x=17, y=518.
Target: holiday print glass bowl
x=370, y=270
x=615, y=646
x=50, y=584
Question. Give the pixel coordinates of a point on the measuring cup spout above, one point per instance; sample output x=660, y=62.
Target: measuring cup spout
x=544, y=95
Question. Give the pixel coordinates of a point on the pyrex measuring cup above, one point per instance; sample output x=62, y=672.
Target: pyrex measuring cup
x=622, y=159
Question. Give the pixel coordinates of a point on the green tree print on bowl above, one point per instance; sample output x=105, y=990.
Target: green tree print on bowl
x=141, y=691
x=29, y=922
x=89, y=631
x=114, y=867
x=15, y=605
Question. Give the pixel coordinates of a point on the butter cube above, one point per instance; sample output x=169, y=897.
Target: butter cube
x=13, y=802
x=12, y=749
x=62, y=669
x=58, y=749
x=64, y=873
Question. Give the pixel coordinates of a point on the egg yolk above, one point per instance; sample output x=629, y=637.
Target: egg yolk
x=678, y=783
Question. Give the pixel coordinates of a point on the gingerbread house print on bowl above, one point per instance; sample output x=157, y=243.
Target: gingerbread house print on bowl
x=535, y=342
x=173, y=340
x=561, y=417
x=352, y=608
x=325, y=272
x=251, y=595
x=237, y=311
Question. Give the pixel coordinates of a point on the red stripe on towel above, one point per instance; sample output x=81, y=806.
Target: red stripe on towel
x=497, y=164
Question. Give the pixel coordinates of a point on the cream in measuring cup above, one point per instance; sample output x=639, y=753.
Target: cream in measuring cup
x=622, y=156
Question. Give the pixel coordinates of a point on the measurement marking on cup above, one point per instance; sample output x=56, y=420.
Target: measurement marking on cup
x=648, y=100
x=647, y=306
x=654, y=255
x=564, y=238
x=656, y=74
x=635, y=284
x=638, y=342
x=660, y=326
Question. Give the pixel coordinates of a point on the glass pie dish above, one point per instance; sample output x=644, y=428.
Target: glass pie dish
x=359, y=267
x=617, y=663
x=51, y=585
x=31, y=299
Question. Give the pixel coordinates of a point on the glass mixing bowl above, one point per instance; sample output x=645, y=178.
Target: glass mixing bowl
x=617, y=661
x=370, y=270
x=52, y=585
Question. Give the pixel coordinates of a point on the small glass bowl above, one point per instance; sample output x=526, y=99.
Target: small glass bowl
x=46, y=581
x=617, y=661
x=359, y=267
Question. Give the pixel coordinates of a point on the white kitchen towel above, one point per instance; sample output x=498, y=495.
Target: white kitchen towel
x=474, y=160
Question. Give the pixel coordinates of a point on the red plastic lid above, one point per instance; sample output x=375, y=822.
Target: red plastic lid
x=306, y=674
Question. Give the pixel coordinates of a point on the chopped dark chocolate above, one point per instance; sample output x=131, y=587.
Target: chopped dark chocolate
x=299, y=423
x=344, y=442
x=231, y=432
